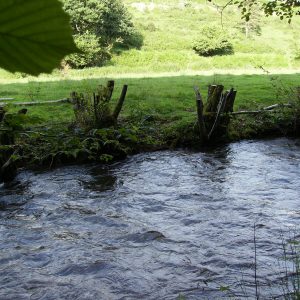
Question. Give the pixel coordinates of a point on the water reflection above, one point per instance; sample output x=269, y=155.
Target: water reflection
x=103, y=179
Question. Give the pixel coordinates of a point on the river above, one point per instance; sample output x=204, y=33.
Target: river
x=155, y=226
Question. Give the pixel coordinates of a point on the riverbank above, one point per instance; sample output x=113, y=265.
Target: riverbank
x=54, y=145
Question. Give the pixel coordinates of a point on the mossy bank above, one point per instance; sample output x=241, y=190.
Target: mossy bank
x=51, y=146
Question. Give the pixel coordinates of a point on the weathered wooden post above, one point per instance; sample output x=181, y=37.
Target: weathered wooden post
x=213, y=116
x=120, y=103
x=230, y=102
x=213, y=98
x=201, y=123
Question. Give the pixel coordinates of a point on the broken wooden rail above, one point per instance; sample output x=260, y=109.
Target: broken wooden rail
x=110, y=86
x=268, y=109
x=39, y=102
x=6, y=99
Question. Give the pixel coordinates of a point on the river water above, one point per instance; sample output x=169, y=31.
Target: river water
x=155, y=226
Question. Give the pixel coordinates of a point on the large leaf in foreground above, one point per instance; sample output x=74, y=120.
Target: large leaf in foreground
x=35, y=35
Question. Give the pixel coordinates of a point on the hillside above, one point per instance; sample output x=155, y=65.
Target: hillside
x=169, y=28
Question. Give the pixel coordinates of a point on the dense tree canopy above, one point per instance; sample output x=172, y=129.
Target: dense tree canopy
x=107, y=19
x=98, y=25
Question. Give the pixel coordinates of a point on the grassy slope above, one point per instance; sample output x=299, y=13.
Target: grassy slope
x=169, y=29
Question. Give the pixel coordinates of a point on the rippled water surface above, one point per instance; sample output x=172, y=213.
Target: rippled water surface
x=155, y=226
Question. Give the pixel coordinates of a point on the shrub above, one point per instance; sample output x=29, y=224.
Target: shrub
x=213, y=41
x=135, y=40
x=149, y=27
x=92, y=110
x=92, y=52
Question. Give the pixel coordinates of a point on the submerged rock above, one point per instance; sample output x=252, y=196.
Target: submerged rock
x=145, y=236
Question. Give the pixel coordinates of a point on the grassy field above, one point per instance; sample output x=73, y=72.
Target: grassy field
x=169, y=98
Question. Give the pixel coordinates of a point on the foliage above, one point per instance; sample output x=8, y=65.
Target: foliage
x=283, y=9
x=102, y=23
x=169, y=51
x=290, y=95
x=286, y=287
x=92, y=53
x=291, y=279
x=34, y=35
x=92, y=110
x=253, y=25
x=135, y=40
x=53, y=146
x=212, y=41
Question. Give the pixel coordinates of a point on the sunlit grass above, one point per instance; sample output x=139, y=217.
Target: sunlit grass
x=166, y=97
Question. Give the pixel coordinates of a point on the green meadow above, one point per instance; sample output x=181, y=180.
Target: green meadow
x=168, y=98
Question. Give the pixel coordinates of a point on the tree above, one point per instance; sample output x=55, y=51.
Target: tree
x=251, y=26
x=284, y=9
x=98, y=25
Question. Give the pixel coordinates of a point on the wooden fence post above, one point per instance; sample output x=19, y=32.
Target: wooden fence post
x=213, y=116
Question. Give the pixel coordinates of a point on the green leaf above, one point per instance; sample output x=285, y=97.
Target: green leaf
x=35, y=35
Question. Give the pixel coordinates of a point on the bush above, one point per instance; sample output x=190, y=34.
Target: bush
x=213, y=41
x=93, y=54
x=149, y=27
x=134, y=40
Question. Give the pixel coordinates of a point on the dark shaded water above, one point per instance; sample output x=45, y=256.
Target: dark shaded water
x=152, y=227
